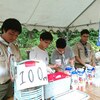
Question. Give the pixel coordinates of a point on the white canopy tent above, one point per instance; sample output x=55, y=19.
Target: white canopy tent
x=51, y=14
x=90, y=18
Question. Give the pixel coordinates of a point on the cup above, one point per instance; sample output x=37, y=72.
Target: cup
x=58, y=62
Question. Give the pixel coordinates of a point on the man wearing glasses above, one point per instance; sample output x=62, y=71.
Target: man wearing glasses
x=84, y=54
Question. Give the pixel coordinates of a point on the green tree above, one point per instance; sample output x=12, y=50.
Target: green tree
x=29, y=39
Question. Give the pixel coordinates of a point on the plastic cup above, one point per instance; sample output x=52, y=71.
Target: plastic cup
x=58, y=61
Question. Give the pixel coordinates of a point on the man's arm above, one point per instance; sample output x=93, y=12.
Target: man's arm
x=93, y=60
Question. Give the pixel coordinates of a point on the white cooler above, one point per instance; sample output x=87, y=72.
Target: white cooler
x=32, y=71
x=58, y=84
x=34, y=93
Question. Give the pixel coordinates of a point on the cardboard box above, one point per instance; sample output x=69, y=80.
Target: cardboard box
x=58, y=83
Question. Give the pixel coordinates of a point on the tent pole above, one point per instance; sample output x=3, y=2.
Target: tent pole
x=84, y=25
x=80, y=14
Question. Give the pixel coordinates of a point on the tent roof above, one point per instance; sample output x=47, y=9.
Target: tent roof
x=89, y=19
x=49, y=13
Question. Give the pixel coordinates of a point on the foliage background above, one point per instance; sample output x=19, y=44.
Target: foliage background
x=29, y=39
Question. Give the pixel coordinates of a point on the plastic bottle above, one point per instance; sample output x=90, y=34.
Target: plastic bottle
x=13, y=64
x=90, y=72
x=68, y=70
x=93, y=72
x=74, y=80
x=82, y=79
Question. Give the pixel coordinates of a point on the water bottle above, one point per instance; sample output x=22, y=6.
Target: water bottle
x=90, y=71
x=13, y=64
x=81, y=78
x=93, y=72
x=68, y=70
x=74, y=80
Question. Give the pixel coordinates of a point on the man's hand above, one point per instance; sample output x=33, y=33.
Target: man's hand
x=88, y=66
x=58, y=69
x=54, y=66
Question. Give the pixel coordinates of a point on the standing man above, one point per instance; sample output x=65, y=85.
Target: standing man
x=84, y=54
x=10, y=29
x=63, y=53
x=39, y=52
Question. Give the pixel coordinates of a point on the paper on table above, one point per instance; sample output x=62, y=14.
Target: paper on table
x=78, y=95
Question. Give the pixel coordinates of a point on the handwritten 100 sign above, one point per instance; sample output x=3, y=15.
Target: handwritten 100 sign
x=31, y=73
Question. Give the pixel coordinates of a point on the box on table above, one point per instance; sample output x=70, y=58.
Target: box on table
x=58, y=83
x=35, y=93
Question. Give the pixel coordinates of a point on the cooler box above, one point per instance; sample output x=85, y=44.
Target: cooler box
x=35, y=93
x=58, y=83
x=30, y=77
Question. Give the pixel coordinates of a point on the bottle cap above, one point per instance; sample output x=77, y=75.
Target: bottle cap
x=68, y=68
x=74, y=72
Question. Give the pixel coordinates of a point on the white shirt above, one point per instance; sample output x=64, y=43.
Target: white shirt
x=39, y=54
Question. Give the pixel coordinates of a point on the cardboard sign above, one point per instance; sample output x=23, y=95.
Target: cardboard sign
x=31, y=73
